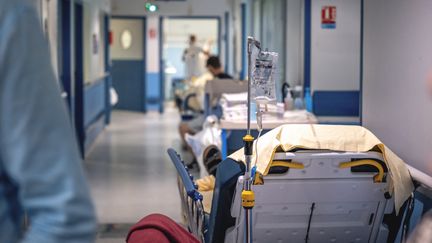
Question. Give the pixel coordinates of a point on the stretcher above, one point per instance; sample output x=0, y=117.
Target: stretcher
x=307, y=196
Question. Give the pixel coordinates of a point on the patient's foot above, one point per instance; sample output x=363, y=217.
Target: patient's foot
x=184, y=147
x=192, y=164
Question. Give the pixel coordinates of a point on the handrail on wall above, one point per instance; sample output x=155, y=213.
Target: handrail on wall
x=92, y=82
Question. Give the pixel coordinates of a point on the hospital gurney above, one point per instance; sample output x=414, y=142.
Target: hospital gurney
x=307, y=196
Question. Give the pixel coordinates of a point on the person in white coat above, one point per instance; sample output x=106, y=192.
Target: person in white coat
x=191, y=56
x=41, y=175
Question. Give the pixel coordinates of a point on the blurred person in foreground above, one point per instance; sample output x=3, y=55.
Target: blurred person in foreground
x=423, y=231
x=41, y=178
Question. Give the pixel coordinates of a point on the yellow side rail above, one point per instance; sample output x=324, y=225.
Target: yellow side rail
x=288, y=164
x=259, y=180
x=377, y=178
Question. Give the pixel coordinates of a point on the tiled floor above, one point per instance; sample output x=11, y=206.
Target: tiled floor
x=130, y=173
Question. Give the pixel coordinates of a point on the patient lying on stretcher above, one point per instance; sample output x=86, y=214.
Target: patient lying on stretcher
x=324, y=137
x=195, y=125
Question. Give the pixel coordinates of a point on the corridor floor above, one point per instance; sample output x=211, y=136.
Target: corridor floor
x=130, y=173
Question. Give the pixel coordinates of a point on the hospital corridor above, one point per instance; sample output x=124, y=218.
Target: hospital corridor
x=127, y=176
x=215, y=121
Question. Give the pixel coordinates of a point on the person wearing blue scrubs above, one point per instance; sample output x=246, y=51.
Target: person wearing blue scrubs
x=40, y=166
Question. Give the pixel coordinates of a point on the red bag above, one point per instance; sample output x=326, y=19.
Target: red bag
x=159, y=228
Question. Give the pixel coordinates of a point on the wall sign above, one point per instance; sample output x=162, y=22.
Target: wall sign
x=95, y=41
x=111, y=37
x=152, y=33
x=328, y=17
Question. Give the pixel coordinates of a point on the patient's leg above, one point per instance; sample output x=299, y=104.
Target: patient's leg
x=192, y=127
x=183, y=129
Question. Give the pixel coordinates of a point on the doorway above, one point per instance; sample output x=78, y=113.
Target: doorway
x=175, y=39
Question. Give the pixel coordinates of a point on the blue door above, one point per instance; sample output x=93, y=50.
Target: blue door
x=128, y=65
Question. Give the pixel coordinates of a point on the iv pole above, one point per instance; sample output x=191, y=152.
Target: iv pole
x=248, y=196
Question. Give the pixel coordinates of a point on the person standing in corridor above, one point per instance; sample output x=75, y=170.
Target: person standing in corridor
x=191, y=57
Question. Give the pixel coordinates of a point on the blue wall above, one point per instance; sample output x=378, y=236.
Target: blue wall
x=95, y=109
x=153, y=93
x=94, y=97
x=336, y=103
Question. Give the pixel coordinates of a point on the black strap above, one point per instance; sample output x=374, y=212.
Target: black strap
x=309, y=223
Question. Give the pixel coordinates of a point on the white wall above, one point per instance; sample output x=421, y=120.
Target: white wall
x=294, y=42
x=153, y=45
x=397, y=59
x=47, y=10
x=102, y=5
x=236, y=41
x=94, y=62
x=173, y=8
x=335, y=61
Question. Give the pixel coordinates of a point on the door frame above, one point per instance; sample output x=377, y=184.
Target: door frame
x=78, y=74
x=307, y=44
x=161, y=67
x=65, y=32
x=108, y=79
x=144, y=61
x=227, y=39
